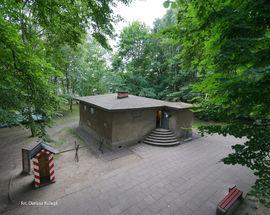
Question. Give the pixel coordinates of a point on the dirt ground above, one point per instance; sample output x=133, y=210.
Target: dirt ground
x=69, y=173
x=71, y=176
x=13, y=139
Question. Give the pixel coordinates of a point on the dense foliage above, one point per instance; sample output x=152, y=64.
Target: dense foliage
x=228, y=43
x=85, y=71
x=149, y=62
x=33, y=35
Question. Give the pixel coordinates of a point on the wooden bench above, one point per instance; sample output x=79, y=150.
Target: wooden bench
x=230, y=202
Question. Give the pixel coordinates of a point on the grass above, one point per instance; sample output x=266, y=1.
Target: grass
x=59, y=138
x=59, y=143
x=57, y=156
x=78, y=137
x=66, y=136
x=198, y=123
x=67, y=115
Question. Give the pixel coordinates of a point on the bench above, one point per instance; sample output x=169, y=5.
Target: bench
x=230, y=202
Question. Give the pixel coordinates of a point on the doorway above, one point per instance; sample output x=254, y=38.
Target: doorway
x=158, y=118
x=44, y=170
x=165, y=120
x=162, y=119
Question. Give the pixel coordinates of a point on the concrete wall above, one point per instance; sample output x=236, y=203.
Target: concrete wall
x=180, y=119
x=97, y=122
x=129, y=127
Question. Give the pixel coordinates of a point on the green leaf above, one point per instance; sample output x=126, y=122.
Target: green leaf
x=173, y=5
x=166, y=4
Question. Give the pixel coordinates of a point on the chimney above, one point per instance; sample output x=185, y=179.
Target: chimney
x=122, y=94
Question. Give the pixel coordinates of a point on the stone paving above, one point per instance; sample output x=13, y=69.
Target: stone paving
x=184, y=179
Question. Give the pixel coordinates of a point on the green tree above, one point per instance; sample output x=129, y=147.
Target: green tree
x=93, y=69
x=129, y=61
x=149, y=61
x=31, y=36
x=85, y=71
x=228, y=42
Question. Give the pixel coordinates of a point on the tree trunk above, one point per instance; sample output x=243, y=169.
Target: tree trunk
x=33, y=131
x=70, y=104
x=55, y=80
x=31, y=123
x=67, y=82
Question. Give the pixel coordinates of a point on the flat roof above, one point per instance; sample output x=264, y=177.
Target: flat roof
x=110, y=102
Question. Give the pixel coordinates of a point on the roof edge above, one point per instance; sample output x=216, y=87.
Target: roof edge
x=164, y=104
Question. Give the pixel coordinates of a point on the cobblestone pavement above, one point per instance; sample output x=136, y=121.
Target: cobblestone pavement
x=185, y=179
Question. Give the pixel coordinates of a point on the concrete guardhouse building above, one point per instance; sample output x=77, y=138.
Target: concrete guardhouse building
x=120, y=119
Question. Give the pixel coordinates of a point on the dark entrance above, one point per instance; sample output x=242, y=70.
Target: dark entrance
x=162, y=119
x=158, y=118
x=165, y=120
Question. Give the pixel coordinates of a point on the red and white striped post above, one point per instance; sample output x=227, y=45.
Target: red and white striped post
x=51, y=167
x=37, y=169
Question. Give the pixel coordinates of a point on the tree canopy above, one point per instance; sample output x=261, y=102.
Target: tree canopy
x=228, y=43
x=149, y=62
x=33, y=36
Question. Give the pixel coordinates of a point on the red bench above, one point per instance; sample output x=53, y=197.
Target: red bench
x=230, y=202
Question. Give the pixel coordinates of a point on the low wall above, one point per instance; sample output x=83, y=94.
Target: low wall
x=179, y=120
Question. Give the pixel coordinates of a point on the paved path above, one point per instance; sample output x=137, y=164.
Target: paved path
x=185, y=179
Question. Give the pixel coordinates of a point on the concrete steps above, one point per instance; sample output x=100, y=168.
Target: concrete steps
x=161, y=137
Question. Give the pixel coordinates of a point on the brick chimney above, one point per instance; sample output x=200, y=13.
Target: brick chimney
x=122, y=94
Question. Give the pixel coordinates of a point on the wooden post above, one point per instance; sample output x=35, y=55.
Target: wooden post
x=26, y=166
x=77, y=146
